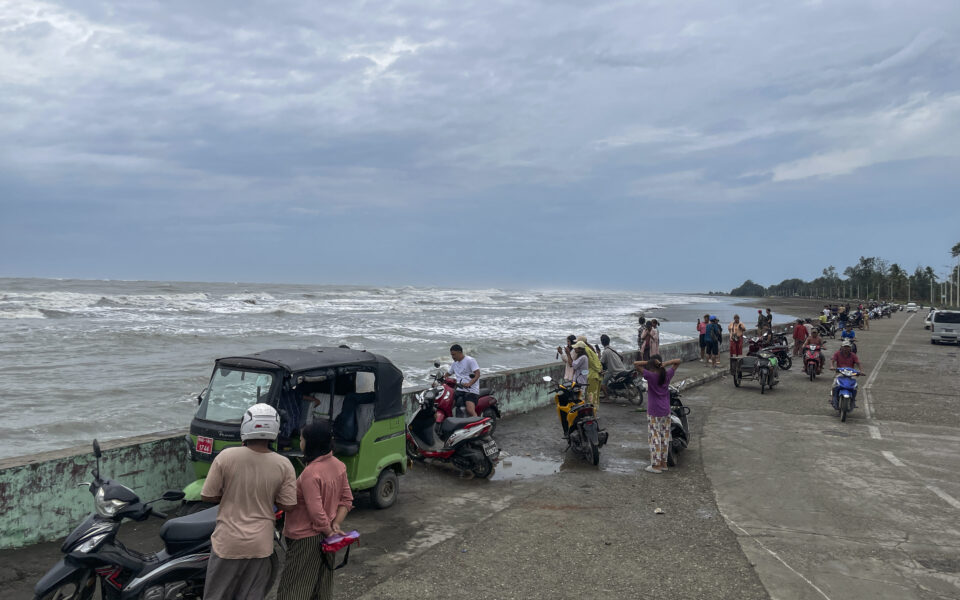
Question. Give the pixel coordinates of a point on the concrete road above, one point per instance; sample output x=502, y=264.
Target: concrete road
x=869, y=508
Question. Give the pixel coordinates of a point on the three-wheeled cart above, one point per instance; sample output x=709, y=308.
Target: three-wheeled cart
x=761, y=367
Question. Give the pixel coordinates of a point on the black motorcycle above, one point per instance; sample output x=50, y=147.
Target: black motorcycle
x=93, y=551
x=627, y=384
x=679, y=430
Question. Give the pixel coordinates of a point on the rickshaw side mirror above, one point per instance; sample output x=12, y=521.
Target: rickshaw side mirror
x=96, y=449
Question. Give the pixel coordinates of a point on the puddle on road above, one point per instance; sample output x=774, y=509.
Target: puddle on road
x=521, y=467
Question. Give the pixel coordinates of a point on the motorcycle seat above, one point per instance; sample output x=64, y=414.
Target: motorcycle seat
x=485, y=392
x=452, y=424
x=191, y=528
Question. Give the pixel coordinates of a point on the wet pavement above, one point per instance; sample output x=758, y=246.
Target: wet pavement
x=774, y=498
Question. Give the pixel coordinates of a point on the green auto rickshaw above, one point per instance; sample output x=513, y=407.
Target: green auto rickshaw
x=360, y=392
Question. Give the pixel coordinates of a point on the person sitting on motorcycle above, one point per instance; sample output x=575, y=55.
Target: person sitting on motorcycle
x=466, y=371
x=814, y=339
x=844, y=357
x=612, y=363
x=849, y=334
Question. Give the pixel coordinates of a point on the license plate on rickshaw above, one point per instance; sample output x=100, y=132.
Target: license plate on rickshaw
x=490, y=448
x=204, y=445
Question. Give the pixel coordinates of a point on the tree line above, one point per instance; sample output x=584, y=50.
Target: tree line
x=871, y=278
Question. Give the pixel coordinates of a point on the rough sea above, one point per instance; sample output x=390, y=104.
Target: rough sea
x=109, y=359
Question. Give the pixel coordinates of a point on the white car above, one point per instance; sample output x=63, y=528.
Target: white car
x=929, y=318
x=946, y=327
x=911, y=307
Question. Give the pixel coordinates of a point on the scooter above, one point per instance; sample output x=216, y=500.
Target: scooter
x=679, y=431
x=487, y=405
x=846, y=387
x=93, y=551
x=463, y=442
x=629, y=385
x=829, y=328
x=578, y=420
x=812, y=360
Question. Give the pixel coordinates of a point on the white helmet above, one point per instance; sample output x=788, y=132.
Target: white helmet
x=260, y=422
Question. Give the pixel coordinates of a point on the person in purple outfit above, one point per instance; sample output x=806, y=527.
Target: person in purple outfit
x=658, y=377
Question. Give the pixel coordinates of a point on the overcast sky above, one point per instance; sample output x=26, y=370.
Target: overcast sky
x=655, y=145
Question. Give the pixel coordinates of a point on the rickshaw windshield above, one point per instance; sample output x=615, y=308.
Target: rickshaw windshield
x=231, y=392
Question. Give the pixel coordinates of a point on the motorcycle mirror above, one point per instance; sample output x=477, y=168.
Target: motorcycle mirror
x=96, y=449
x=172, y=496
x=547, y=378
x=436, y=364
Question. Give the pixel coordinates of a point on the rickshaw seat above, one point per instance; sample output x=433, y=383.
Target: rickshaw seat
x=345, y=447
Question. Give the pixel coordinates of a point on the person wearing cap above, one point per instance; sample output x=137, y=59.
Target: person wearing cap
x=595, y=368
x=844, y=357
x=714, y=337
x=849, y=334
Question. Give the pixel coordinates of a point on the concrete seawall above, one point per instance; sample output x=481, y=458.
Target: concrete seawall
x=40, y=500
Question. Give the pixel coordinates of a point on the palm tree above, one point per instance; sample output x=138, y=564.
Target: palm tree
x=955, y=251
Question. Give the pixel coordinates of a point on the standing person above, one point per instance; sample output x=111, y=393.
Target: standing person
x=658, y=407
x=323, y=501
x=247, y=481
x=761, y=321
x=612, y=363
x=655, y=337
x=714, y=338
x=642, y=321
x=645, y=341
x=467, y=373
x=565, y=355
x=769, y=319
x=593, y=380
x=800, y=333
x=866, y=319
x=737, y=330
x=702, y=331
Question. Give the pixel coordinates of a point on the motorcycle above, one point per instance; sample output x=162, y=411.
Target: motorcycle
x=776, y=346
x=846, y=387
x=829, y=328
x=463, y=442
x=679, y=430
x=812, y=360
x=93, y=551
x=629, y=385
x=487, y=405
x=578, y=420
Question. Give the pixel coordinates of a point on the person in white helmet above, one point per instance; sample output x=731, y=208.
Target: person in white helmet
x=247, y=481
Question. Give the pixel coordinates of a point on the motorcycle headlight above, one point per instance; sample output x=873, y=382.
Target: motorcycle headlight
x=107, y=508
x=91, y=544
x=430, y=394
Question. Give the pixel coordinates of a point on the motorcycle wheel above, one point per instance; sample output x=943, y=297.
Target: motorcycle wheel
x=737, y=377
x=412, y=452
x=483, y=468
x=785, y=362
x=811, y=371
x=635, y=395
x=74, y=589
x=763, y=382
x=594, y=454
x=385, y=492
x=492, y=415
x=844, y=408
x=671, y=456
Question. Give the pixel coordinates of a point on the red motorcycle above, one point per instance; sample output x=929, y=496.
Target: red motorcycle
x=447, y=386
x=812, y=360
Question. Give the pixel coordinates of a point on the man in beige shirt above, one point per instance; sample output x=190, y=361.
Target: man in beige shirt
x=247, y=481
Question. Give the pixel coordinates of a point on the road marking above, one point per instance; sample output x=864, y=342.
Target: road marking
x=777, y=556
x=876, y=369
x=944, y=496
x=874, y=432
x=893, y=459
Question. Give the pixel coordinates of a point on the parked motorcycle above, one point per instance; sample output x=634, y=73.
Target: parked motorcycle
x=463, y=442
x=846, y=386
x=487, y=405
x=578, y=420
x=774, y=346
x=679, y=431
x=92, y=551
x=828, y=329
x=629, y=385
x=812, y=360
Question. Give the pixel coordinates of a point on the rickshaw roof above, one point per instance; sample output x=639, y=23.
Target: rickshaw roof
x=306, y=359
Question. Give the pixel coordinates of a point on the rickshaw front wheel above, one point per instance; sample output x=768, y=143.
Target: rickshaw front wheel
x=384, y=493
